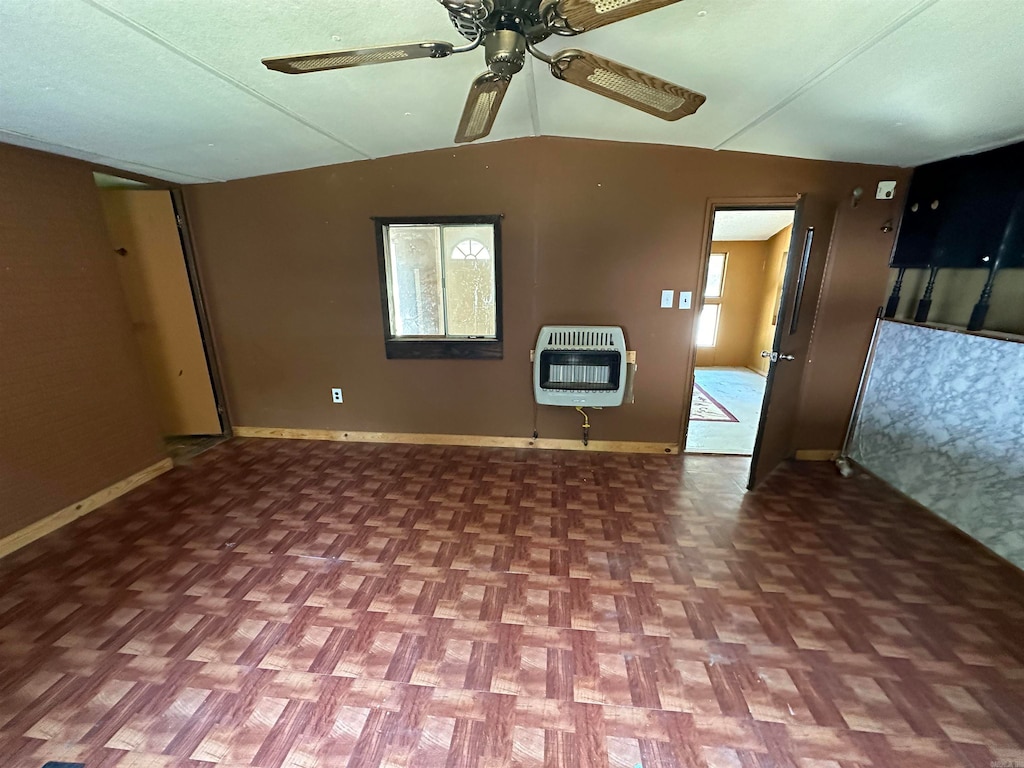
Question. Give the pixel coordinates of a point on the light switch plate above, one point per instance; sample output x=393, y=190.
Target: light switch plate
x=685, y=299
x=666, y=299
x=886, y=190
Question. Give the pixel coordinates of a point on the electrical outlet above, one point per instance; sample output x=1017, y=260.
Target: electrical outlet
x=886, y=190
x=685, y=299
x=336, y=395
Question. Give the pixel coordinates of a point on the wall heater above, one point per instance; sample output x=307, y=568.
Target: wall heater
x=580, y=366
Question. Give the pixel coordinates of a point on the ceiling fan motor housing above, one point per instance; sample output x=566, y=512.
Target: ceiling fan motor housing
x=505, y=51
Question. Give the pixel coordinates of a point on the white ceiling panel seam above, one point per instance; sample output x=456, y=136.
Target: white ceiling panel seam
x=857, y=51
x=33, y=142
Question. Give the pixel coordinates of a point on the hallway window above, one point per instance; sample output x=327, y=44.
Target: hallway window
x=707, y=325
x=715, y=282
x=714, y=288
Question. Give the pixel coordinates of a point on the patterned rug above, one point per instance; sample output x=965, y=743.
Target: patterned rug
x=704, y=407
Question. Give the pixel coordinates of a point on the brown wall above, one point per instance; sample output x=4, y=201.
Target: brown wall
x=592, y=232
x=770, y=292
x=75, y=413
x=842, y=333
x=741, y=303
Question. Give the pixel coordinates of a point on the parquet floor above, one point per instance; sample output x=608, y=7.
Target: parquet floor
x=286, y=603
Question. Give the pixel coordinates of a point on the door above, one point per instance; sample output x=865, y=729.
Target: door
x=143, y=229
x=805, y=269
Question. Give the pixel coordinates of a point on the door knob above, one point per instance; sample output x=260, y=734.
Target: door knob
x=776, y=356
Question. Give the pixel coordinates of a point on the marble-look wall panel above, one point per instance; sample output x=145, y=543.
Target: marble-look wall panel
x=943, y=421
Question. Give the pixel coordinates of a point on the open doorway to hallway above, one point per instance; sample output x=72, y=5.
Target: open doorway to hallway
x=739, y=313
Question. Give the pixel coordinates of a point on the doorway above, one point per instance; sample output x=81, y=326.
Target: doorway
x=739, y=311
x=149, y=236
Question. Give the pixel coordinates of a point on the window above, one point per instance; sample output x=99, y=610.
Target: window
x=441, y=286
x=707, y=325
x=716, y=276
x=714, y=288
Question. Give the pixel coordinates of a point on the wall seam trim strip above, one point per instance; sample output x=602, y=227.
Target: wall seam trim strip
x=531, y=97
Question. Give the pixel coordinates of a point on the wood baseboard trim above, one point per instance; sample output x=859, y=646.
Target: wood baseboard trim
x=59, y=519
x=473, y=441
x=820, y=455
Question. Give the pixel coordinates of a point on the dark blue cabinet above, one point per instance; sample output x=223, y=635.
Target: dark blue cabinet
x=957, y=211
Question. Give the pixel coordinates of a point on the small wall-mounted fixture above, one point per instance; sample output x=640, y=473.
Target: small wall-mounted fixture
x=858, y=193
x=887, y=226
x=886, y=190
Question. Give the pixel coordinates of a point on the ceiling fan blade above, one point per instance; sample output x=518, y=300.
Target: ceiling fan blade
x=357, y=57
x=570, y=17
x=626, y=85
x=485, y=97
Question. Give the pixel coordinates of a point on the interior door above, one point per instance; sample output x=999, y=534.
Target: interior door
x=143, y=229
x=805, y=269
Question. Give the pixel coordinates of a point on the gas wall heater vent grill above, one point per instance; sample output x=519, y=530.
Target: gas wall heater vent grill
x=580, y=366
x=581, y=338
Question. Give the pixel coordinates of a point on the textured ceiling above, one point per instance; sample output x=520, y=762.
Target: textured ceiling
x=749, y=225
x=175, y=89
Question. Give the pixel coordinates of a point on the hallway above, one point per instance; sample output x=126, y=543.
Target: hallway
x=725, y=411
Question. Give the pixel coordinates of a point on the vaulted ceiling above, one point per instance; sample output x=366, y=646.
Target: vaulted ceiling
x=175, y=88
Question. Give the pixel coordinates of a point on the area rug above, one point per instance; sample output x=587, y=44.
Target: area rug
x=703, y=407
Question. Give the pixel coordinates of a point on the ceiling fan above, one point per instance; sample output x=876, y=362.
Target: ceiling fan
x=508, y=29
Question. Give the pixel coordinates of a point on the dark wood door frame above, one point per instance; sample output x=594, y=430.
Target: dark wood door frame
x=783, y=202
x=199, y=300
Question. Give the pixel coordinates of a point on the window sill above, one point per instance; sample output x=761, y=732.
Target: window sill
x=419, y=349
